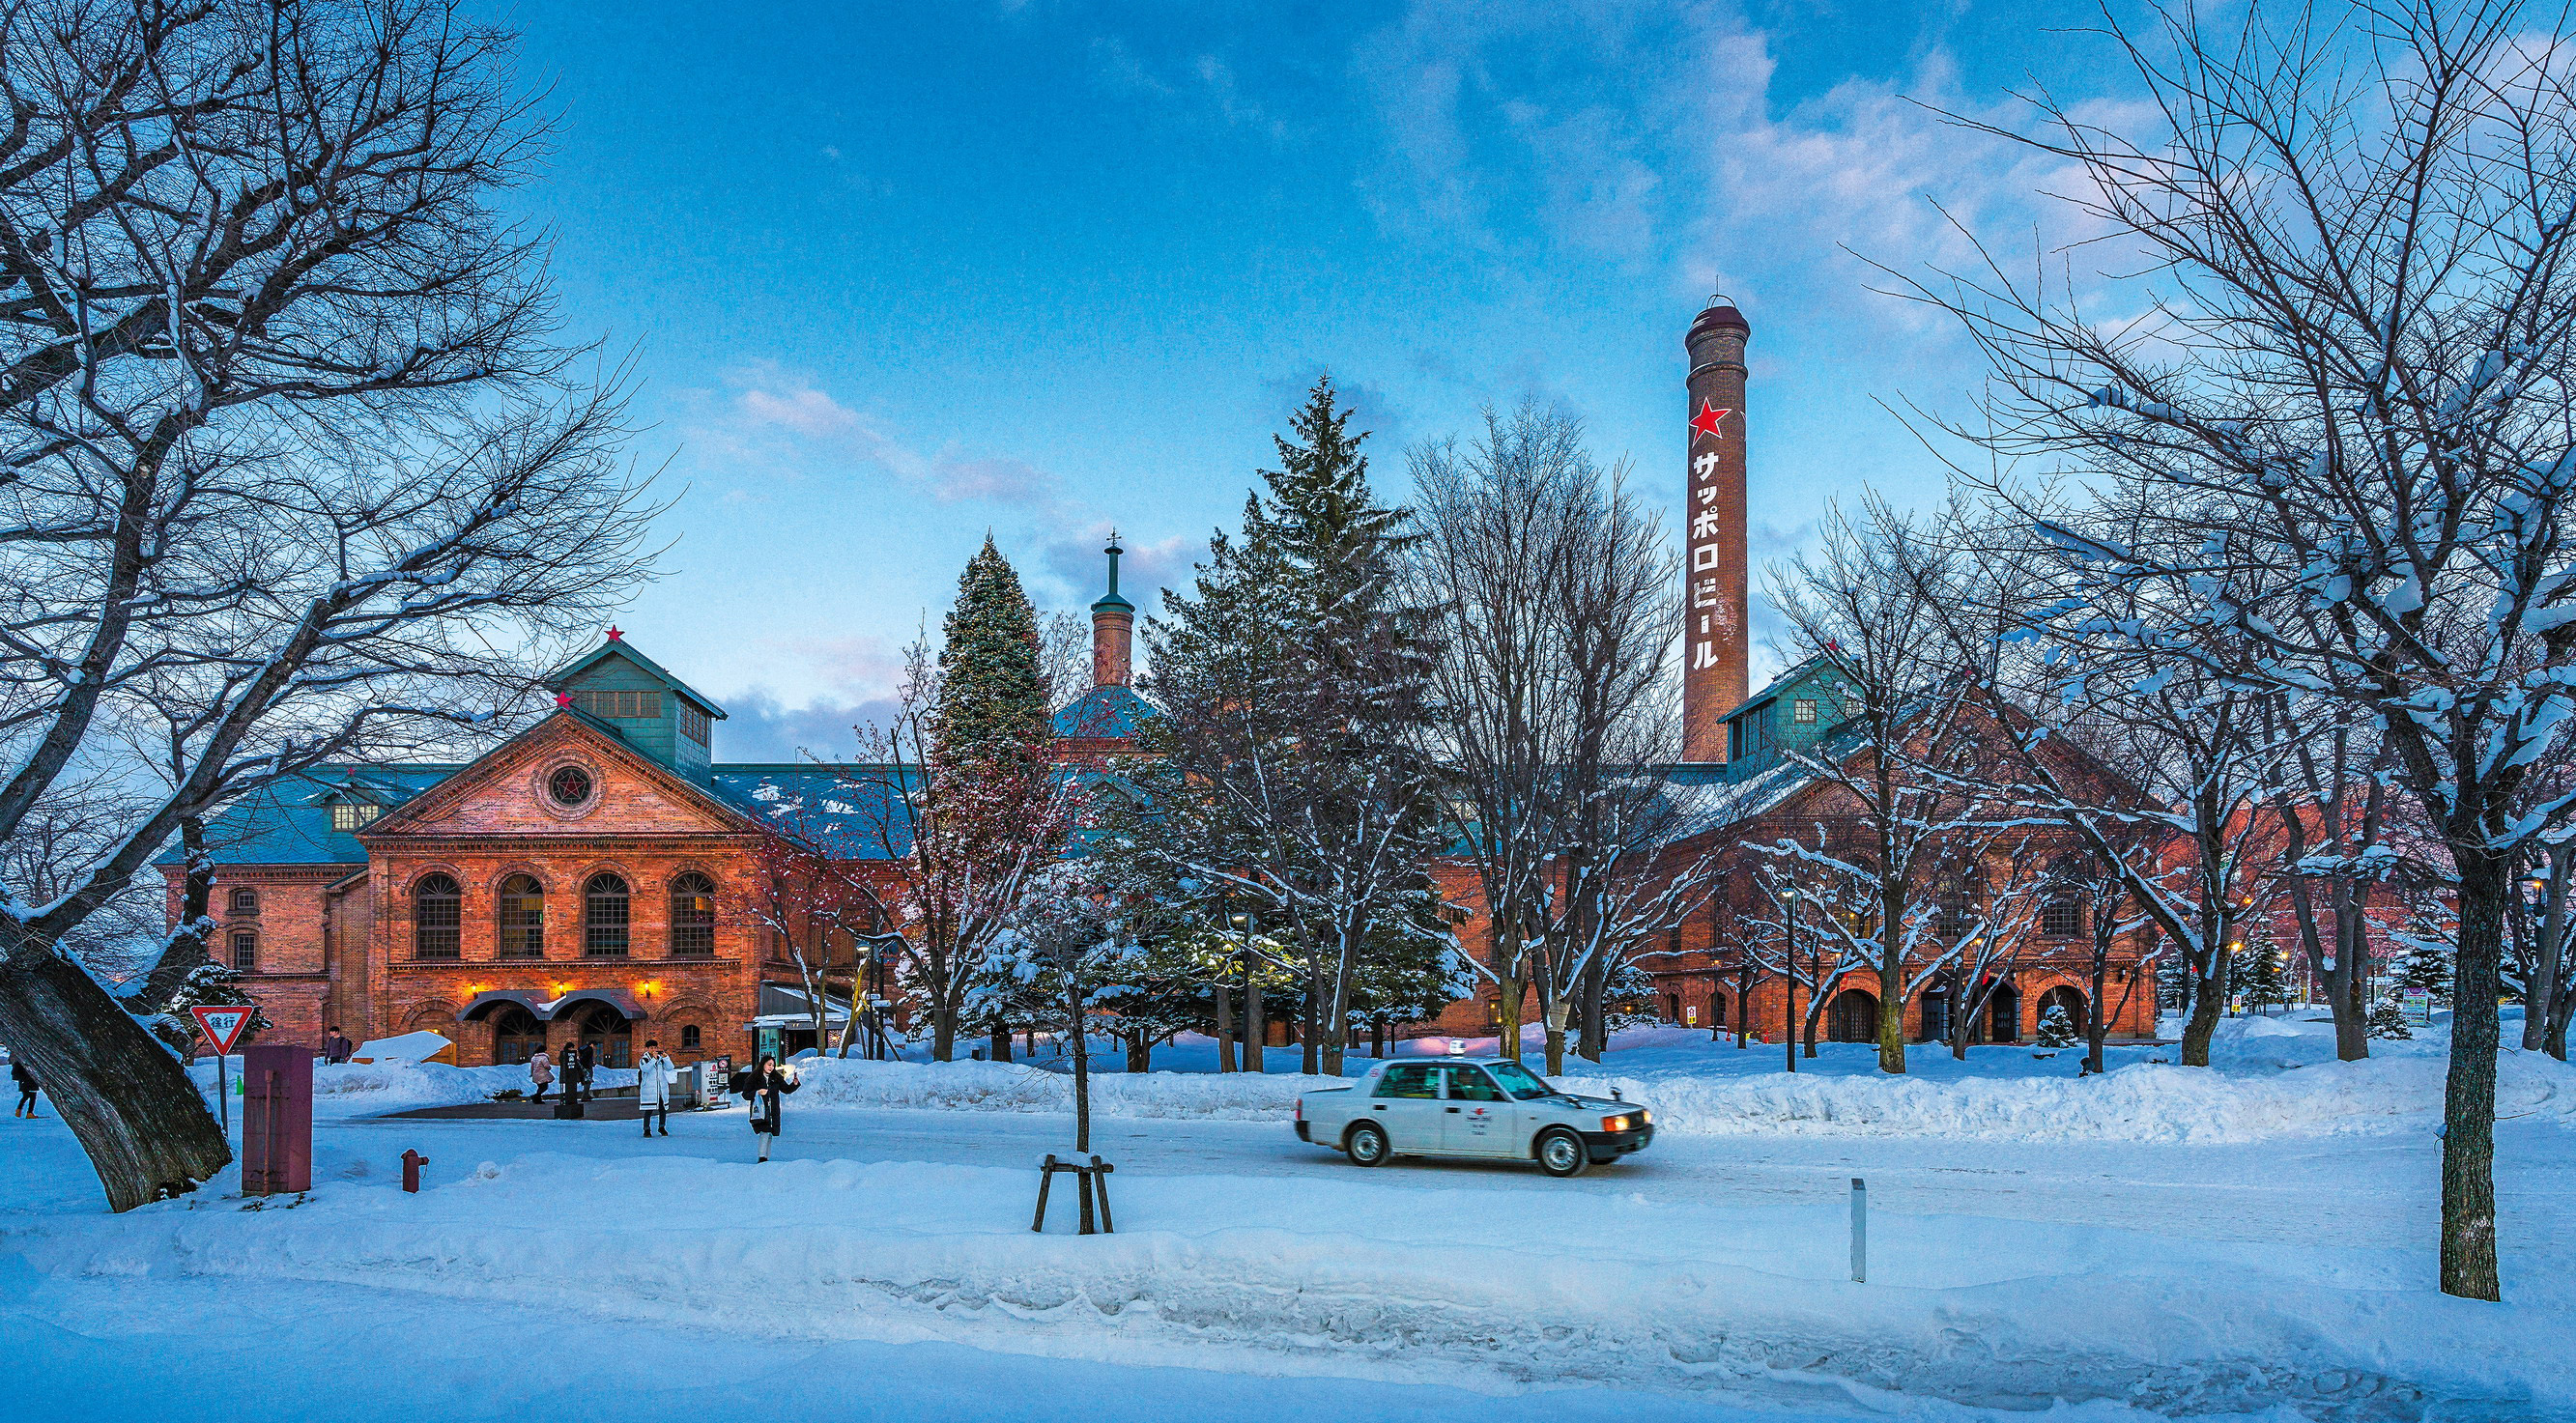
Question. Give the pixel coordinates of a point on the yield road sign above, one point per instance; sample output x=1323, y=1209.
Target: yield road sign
x=223, y=1026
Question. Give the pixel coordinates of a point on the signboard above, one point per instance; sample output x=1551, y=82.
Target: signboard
x=223, y=1026
x=2416, y=1007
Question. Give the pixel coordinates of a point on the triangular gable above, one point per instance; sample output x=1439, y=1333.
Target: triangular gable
x=501, y=792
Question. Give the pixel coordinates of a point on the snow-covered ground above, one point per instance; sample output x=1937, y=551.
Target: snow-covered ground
x=2157, y=1242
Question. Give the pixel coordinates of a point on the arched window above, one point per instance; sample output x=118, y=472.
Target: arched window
x=693, y=916
x=437, y=913
x=604, y=912
x=1956, y=907
x=245, y=901
x=523, y=918
x=2061, y=906
x=689, y=1037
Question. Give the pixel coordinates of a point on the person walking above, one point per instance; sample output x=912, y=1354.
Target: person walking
x=589, y=1070
x=654, y=1075
x=764, y=1085
x=336, y=1048
x=541, y=1071
x=27, y=1085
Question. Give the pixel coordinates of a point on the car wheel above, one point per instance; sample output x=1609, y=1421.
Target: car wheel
x=1562, y=1153
x=1367, y=1145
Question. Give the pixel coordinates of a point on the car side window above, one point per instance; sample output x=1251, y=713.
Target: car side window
x=1470, y=1084
x=1407, y=1080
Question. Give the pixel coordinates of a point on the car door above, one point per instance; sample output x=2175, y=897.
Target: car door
x=1407, y=1104
x=1476, y=1118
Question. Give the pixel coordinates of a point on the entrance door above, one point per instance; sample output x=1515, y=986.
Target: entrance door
x=2003, y=1015
x=606, y=1031
x=516, y=1035
x=1852, y=1017
x=1408, y=1105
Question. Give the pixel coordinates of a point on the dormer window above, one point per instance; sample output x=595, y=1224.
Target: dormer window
x=1803, y=711
x=693, y=723
x=623, y=706
x=350, y=815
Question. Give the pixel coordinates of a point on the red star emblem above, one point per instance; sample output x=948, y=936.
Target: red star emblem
x=615, y=632
x=563, y=699
x=1705, y=422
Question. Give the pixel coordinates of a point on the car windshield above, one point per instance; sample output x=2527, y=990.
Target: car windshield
x=1523, y=1084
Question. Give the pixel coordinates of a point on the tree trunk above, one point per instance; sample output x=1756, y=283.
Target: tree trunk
x=186, y=950
x=1594, y=1038
x=1337, y=1012
x=2468, y=1097
x=1377, y=1037
x=1743, y=1004
x=1081, y=1064
x=1256, y=1023
x=943, y=1033
x=2208, y=996
x=2097, y=1023
x=1507, y=1003
x=1310, y=1017
x=1225, y=1027
x=1891, y=981
x=1140, y=1052
x=133, y=1108
x=1001, y=1041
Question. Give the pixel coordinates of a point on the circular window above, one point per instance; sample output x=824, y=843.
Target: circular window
x=569, y=785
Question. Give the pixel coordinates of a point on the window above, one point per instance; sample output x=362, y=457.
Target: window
x=523, y=918
x=628, y=706
x=1523, y=1084
x=350, y=815
x=245, y=901
x=689, y=1037
x=569, y=785
x=245, y=952
x=1470, y=1084
x=1956, y=906
x=1408, y=1079
x=2061, y=916
x=693, y=723
x=603, y=917
x=1803, y=711
x=693, y=916
x=437, y=917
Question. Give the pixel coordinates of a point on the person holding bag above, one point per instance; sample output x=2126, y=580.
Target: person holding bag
x=654, y=1075
x=763, y=1086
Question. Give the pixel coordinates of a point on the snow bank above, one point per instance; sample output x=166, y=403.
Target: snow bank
x=351, y=1089
x=1372, y=1278
x=2144, y=1102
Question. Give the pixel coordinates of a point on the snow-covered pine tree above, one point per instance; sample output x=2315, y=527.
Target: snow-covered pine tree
x=2426, y=968
x=2259, y=968
x=992, y=684
x=2055, y=1028
x=2386, y=1021
x=208, y=985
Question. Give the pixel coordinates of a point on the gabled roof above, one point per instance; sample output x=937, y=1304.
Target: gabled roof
x=1113, y=712
x=615, y=647
x=467, y=777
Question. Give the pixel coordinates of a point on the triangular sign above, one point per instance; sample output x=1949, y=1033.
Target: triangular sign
x=223, y=1026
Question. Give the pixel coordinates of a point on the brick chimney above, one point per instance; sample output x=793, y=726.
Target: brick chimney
x=1714, y=646
x=1113, y=630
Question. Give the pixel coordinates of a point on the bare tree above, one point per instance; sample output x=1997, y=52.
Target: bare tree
x=289, y=469
x=2348, y=391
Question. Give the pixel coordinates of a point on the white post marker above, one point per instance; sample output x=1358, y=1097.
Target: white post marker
x=1860, y=1231
x=223, y=1027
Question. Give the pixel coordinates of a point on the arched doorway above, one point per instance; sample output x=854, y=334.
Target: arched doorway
x=2003, y=1015
x=1717, y=1006
x=1852, y=1017
x=2069, y=998
x=516, y=1035
x=1937, y=1012
x=606, y=1031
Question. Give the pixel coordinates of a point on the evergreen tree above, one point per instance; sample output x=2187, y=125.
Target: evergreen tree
x=2386, y=1020
x=2055, y=1028
x=2259, y=969
x=2426, y=969
x=208, y=985
x=992, y=682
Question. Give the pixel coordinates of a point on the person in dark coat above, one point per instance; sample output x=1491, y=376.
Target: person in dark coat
x=589, y=1071
x=27, y=1084
x=335, y=1046
x=763, y=1086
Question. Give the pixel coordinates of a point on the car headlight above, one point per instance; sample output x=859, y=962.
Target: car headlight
x=1614, y=1123
x=1645, y=1119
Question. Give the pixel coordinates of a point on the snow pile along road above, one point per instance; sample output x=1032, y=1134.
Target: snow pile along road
x=2144, y=1102
x=351, y=1089
x=1369, y=1279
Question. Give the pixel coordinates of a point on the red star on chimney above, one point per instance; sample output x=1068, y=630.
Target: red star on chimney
x=1705, y=422
x=615, y=633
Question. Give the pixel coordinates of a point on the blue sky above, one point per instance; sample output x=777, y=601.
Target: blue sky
x=896, y=274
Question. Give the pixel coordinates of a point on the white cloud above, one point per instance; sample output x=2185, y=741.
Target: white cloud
x=773, y=403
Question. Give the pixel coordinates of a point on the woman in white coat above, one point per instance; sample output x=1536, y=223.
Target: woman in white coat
x=541, y=1071
x=654, y=1076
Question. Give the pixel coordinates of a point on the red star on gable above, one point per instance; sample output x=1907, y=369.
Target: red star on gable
x=1705, y=422
x=563, y=699
x=616, y=633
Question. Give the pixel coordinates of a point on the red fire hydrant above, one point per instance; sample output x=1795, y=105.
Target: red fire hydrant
x=412, y=1162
